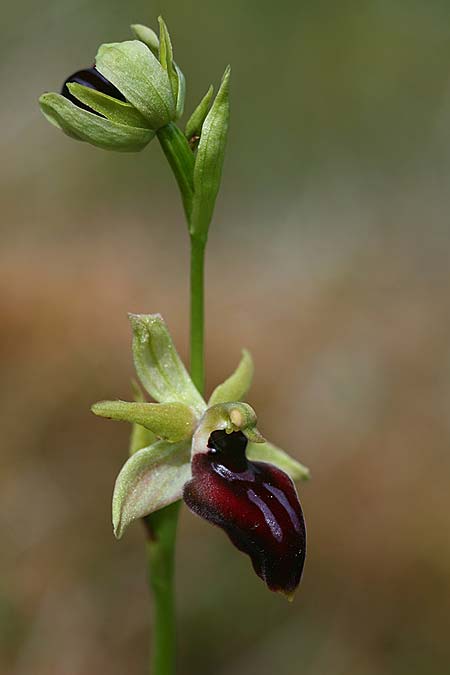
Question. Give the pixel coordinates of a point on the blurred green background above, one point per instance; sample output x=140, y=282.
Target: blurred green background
x=328, y=258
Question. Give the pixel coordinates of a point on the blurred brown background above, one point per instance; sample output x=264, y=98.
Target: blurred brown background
x=328, y=258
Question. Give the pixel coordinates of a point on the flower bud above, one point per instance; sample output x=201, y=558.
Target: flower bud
x=119, y=103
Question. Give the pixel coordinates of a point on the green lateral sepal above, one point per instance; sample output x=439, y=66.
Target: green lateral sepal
x=91, y=128
x=169, y=421
x=152, y=478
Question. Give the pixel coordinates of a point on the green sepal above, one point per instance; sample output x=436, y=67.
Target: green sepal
x=86, y=126
x=235, y=416
x=113, y=109
x=171, y=421
x=158, y=364
x=195, y=122
x=147, y=36
x=209, y=161
x=237, y=385
x=266, y=452
x=152, y=478
x=136, y=72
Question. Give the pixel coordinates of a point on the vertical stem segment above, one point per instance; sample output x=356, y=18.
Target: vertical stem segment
x=160, y=548
x=197, y=313
x=162, y=525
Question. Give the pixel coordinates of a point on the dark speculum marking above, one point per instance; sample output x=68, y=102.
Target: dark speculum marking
x=255, y=503
x=90, y=77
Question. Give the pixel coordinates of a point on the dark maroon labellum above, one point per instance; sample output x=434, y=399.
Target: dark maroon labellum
x=255, y=503
x=90, y=77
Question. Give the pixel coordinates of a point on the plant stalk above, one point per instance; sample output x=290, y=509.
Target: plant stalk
x=197, y=313
x=162, y=525
x=160, y=549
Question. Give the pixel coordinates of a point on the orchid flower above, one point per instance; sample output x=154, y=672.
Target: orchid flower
x=134, y=89
x=211, y=455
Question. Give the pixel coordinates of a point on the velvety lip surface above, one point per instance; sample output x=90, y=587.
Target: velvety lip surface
x=255, y=503
x=90, y=77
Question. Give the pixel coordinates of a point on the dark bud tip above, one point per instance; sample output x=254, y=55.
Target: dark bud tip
x=90, y=77
x=257, y=506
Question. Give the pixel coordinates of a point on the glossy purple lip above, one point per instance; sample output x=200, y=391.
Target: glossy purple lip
x=255, y=503
x=90, y=77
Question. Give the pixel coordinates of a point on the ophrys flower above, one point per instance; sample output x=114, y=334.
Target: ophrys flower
x=211, y=455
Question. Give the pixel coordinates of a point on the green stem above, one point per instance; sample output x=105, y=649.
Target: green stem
x=162, y=528
x=197, y=313
x=162, y=525
x=181, y=160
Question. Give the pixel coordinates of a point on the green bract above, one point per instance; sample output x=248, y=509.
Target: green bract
x=194, y=124
x=177, y=427
x=209, y=160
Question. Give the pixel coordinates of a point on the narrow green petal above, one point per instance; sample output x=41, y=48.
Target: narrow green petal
x=89, y=127
x=158, y=364
x=209, y=160
x=113, y=109
x=266, y=452
x=195, y=122
x=137, y=73
x=237, y=385
x=170, y=421
x=151, y=479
